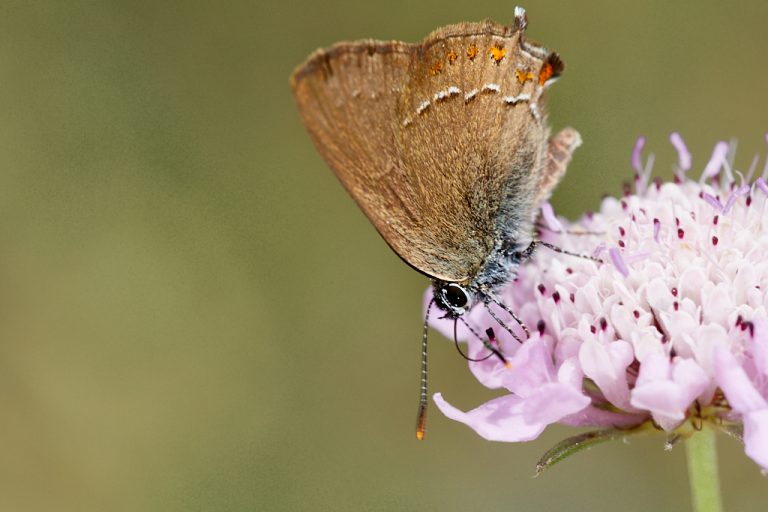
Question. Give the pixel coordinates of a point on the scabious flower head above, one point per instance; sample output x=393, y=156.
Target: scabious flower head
x=670, y=331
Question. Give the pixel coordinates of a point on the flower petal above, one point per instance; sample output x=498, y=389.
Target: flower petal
x=756, y=436
x=606, y=365
x=760, y=347
x=530, y=368
x=735, y=383
x=551, y=402
x=500, y=419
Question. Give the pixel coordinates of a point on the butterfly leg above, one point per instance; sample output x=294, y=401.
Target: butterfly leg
x=528, y=252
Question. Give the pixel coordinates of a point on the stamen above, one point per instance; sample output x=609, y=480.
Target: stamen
x=752, y=168
x=761, y=184
x=549, y=217
x=491, y=340
x=716, y=162
x=735, y=195
x=598, y=250
x=636, y=154
x=618, y=261
x=683, y=155
x=656, y=229
x=713, y=201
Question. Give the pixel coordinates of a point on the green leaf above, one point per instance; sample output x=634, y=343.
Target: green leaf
x=575, y=444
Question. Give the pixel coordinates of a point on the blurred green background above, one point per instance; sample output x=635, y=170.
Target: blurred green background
x=196, y=317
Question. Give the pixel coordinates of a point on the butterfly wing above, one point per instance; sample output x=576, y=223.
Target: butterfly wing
x=474, y=138
x=348, y=97
x=440, y=144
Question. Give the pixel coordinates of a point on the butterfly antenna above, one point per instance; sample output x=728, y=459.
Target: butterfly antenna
x=465, y=356
x=421, y=419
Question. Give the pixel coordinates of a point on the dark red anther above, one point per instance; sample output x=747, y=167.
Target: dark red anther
x=603, y=323
x=751, y=328
x=714, y=240
x=622, y=232
x=572, y=297
x=674, y=291
x=701, y=195
x=569, y=270
x=623, y=204
x=621, y=243
x=593, y=329
x=556, y=297
x=680, y=233
x=714, y=220
x=676, y=305
x=636, y=313
x=677, y=221
x=541, y=327
x=542, y=289
x=749, y=201
x=739, y=319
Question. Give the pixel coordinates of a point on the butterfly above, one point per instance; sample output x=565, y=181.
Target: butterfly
x=445, y=146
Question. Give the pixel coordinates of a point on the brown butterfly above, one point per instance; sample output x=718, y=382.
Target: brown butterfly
x=444, y=145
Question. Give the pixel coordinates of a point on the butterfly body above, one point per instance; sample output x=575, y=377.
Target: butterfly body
x=443, y=144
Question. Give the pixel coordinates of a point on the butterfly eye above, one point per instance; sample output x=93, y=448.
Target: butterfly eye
x=455, y=296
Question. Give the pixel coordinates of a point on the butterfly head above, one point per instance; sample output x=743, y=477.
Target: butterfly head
x=453, y=298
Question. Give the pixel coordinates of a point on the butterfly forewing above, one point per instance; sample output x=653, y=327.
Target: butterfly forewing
x=440, y=144
x=470, y=144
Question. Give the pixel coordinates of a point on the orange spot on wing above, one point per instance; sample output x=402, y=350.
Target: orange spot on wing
x=523, y=76
x=451, y=57
x=436, y=68
x=472, y=52
x=497, y=53
x=546, y=73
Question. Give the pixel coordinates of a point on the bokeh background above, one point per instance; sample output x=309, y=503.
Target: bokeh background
x=194, y=315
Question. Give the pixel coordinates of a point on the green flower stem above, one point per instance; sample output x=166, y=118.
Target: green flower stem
x=702, y=471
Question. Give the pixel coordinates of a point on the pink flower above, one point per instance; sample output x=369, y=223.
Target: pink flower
x=670, y=331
